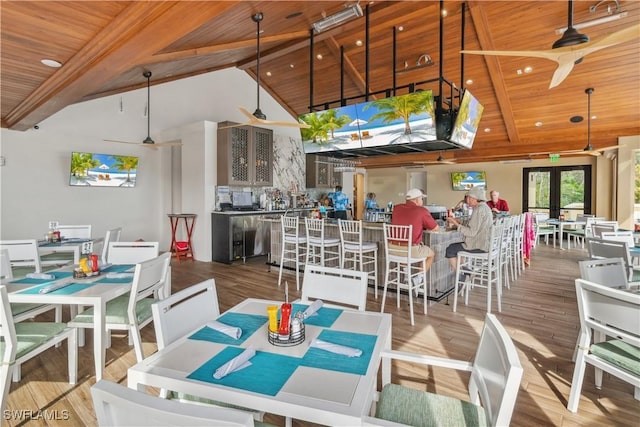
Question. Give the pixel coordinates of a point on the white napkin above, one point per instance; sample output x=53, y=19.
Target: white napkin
x=241, y=361
x=311, y=310
x=119, y=276
x=233, y=331
x=54, y=287
x=336, y=348
x=43, y=276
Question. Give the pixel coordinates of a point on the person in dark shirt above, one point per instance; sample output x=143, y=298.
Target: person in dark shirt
x=412, y=212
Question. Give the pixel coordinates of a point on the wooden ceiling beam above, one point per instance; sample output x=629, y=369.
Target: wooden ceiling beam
x=130, y=39
x=481, y=24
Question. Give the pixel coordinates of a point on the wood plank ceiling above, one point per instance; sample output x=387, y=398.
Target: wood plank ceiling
x=104, y=47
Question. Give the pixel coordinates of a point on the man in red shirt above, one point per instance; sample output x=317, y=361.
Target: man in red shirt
x=412, y=212
x=497, y=204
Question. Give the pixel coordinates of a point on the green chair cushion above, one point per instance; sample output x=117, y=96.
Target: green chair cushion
x=421, y=409
x=19, y=308
x=620, y=353
x=117, y=311
x=57, y=256
x=30, y=335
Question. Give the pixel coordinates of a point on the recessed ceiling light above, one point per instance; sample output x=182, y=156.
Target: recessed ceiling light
x=528, y=69
x=487, y=130
x=400, y=28
x=268, y=73
x=51, y=63
x=469, y=82
x=319, y=56
x=444, y=13
x=358, y=42
x=576, y=119
x=538, y=124
x=291, y=65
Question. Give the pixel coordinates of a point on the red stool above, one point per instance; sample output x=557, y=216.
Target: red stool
x=182, y=249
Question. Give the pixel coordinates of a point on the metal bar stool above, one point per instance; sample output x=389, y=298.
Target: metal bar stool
x=321, y=250
x=293, y=245
x=357, y=252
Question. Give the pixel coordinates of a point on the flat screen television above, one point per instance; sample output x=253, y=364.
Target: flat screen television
x=465, y=181
x=102, y=170
x=466, y=124
x=403, y=119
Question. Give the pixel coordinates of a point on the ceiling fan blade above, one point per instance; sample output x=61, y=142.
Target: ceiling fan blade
x=254, y=121
x=624, y=35
x=545, y=54
x=561, y=73
x=121, y=142
x=174, y=143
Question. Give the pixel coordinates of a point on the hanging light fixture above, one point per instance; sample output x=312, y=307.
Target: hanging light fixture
x=588, y=91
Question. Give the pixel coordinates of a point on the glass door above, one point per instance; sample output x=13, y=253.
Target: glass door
x=557, y=190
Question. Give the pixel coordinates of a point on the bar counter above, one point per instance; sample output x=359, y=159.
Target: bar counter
x=440, y=275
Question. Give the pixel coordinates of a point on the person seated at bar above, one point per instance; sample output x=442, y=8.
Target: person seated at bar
x=497, y=205
x=477, y=233
x=413, y=212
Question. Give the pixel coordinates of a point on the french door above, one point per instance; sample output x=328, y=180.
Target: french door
x=557, y=190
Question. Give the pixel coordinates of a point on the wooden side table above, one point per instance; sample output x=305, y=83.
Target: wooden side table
x=182, y=249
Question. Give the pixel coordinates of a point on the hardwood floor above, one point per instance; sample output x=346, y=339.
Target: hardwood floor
x=539, y=311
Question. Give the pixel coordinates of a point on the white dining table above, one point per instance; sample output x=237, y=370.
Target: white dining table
x=95, y=295
x=73, y=246
x=562, y=223
x=303, y=384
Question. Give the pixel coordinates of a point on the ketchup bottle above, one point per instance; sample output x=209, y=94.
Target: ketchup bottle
x=94, y=263
x=285, y=318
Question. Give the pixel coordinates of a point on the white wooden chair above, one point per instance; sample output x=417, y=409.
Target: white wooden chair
x=23, y=341
x=321, y=250
x=614, y=313
x=117, y=405
x=480, y=269
x=293, y=245
x=619, y=236
x=360, y=254
x=23, y=255
x=132, y=311
x=75, y=231
x=401, y=269
x=112, y=235
x=182, y=313
x=131, y=252
x=582, y=232
x=544, y=228
x=495, y=378
x=600, y=248
x=600, y=226
x=335, y=285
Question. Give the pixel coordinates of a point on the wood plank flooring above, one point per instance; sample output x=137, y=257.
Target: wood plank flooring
x=539, y=311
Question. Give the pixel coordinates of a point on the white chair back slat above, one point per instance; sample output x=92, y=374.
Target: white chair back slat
x=117, y=405
x=610, y=272
x=23, y=253
x=75, y=231
x=342, y=286
x=6, y=273
x=112, y=235
x=131, y=252
x=620, y=236
x=184, y=311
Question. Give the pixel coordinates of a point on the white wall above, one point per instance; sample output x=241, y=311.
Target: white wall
x=34, y=183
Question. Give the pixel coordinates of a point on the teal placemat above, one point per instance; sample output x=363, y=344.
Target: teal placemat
x=118, y=280
x=249, y=323
x=67, y=290
x=266, y=375
x=58, y=275
x=323, y=318
x=317, y=358
x=118, y=268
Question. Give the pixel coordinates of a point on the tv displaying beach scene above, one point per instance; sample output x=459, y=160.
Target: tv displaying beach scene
x=465, y=181
x=403, y=119
x=467, y=121
x=102, y=170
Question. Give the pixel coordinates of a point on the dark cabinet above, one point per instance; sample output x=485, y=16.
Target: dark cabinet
x=321, y=172
x=238, y=237
x=245, y=155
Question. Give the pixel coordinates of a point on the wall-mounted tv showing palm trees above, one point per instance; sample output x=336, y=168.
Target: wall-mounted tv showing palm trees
x=403, y=119
x=103, y=170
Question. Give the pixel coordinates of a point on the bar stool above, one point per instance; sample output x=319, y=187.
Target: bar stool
x=321, y=250
x=292, y=245
x=358, y=253
x=182, y=249
x=402, y=270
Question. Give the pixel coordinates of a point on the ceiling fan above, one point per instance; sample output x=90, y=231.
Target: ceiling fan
x=570, y=49
x=439, y=161
x=148, y=142
x=258, y=117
